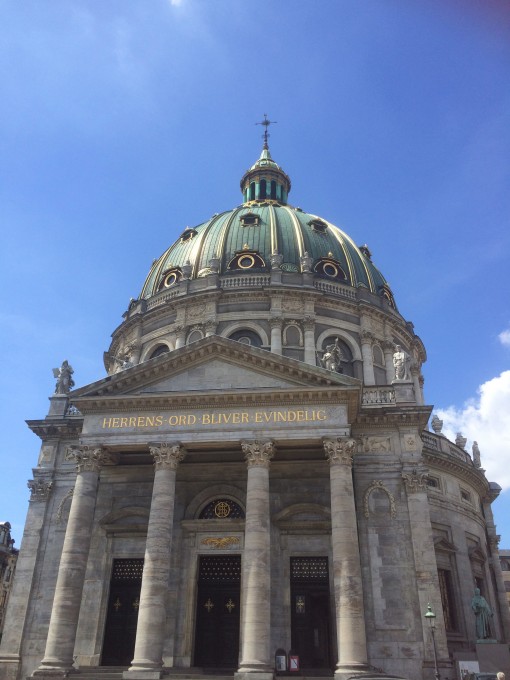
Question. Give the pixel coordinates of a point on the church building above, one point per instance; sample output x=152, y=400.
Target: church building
x=254, y=487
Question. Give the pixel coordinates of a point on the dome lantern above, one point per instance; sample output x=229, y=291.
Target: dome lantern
x=265, y=180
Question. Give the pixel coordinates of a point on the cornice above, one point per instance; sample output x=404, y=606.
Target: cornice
x=56, y=429
x=458, y=468
x=396, y=416
x=348, y=396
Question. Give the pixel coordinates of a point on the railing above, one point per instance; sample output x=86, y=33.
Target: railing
x=248, y=280
x=440, y=444
x=162, y=298
x=375, y=396
x=335, y=289
x=430, y=440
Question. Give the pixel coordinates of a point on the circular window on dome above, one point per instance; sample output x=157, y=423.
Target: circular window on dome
x=170, y=278
x=246, y=259
x=331, y=269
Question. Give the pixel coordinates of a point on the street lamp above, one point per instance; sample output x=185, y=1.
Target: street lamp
x=431, y=618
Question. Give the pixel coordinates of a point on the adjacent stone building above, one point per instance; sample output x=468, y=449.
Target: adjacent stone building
x=255, y=473
x=8, y=557
x=504, y=558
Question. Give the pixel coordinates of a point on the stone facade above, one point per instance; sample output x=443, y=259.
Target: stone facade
x=504, y=559
x=8, y=558
x=221, y=494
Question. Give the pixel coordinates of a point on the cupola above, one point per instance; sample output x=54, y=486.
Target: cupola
x=265, y=180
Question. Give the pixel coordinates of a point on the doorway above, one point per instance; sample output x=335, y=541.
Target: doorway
x=122, y=614
x=217, y=611
x=310, y=618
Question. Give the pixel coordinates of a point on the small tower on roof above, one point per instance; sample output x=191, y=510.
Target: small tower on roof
x=265, y=180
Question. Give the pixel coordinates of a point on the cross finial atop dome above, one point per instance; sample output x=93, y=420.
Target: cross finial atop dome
x=266, y=123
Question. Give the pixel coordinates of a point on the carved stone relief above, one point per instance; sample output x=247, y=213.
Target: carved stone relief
x=378, y=484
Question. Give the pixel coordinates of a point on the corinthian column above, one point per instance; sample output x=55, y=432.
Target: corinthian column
x=58, y=656
x=310, y=353
x=367, y=339
x=350, y=615
x=150, y=630
x=256, y=575
x=276, y=335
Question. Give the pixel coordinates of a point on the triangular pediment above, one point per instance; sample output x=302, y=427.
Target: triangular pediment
x=213, y=366
x=441, y=544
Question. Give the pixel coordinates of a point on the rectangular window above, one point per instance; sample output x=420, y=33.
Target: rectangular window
x=447, y=599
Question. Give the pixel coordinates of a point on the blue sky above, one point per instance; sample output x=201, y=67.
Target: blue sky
x=123, y=122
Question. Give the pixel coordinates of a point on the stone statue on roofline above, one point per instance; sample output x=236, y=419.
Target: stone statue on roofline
x=477, y=461
x=400, y=363
x=65, y=382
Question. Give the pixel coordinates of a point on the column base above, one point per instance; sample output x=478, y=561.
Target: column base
x=252, y=673
x=363, y=672
x=52, y=673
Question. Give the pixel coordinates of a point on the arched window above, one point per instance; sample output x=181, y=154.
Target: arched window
x=247, y=337
x=262, y=193
x=195, y=336
x=222, y=508
x=252, y=191
x=160, y=349
x=346, y=365
x=273, y=190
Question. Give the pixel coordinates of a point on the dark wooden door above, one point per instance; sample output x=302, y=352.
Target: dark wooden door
x=217, y=612
x=310, y=620
x=122, y=614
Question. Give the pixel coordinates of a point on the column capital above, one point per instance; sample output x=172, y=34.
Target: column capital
x=388, y=346
x=276, y=321
x=339, y=450
x=258, y=453
x=39, y=489
x=89, y=458
x=367, y=336
x=309, y=322
x=415, y=481
x=167, y=455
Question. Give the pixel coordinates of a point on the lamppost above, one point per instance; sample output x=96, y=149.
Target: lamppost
x=431, y=618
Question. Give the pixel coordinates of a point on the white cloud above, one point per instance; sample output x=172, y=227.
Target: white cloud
x=485, y=419
x=504, y=338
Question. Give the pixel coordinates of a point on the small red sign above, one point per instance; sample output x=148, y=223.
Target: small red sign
x=293, y=663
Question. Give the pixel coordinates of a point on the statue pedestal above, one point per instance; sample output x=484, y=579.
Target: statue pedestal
x=493, y=656
x=58, y=405
x=404, y=391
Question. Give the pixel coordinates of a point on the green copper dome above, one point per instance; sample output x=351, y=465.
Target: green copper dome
x=262, y=234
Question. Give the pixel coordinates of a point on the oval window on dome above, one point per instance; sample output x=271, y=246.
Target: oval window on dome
x=246, y=259
x=170, y=278
x=330, y=268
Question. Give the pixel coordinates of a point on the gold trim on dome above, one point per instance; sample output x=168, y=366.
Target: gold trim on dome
x=246, y=257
